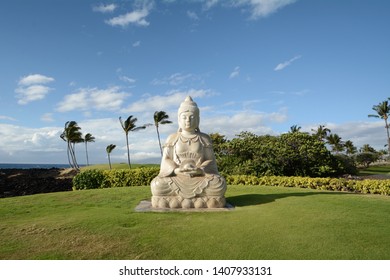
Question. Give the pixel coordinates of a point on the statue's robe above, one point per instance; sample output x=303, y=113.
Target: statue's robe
x=179, y=150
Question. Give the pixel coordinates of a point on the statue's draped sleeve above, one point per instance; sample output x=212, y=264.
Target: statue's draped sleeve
x=209, y=163
x=168, y=165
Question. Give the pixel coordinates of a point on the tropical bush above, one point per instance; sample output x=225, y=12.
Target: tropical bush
x=95, y=179
x=89, y=179
x=332, y=184
x=290, y=154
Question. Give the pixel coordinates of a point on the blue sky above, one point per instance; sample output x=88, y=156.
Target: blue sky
x=251, y=65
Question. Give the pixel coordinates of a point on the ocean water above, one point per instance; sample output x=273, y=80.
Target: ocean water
x=31, y=165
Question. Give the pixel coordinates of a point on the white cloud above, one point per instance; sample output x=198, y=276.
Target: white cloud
x=175, y=79
x=32, y=88
x=136, y=17
x=109, y=8
x=232, y=124
x=137, y=44
x=283, y=65
x=48, y=117
x=15, y=139
x=164, y=102
x=34, y=79
x=360, y=133
x=262, y=8
x=31, y=93
x=235, y=73
x=85, y=99
x=7, y=118
x=208, y=4
x=192, y=15
x=127, y=79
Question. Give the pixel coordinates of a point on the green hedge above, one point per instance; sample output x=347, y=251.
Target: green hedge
x=334, y=184
x=94, y=179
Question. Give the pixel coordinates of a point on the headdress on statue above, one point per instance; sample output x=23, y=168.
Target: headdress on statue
x=188, y=105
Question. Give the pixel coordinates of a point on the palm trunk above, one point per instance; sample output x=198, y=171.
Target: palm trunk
x=73, y=154
x=128, y=150
x=68, y=154
x=159, y=141
x=86, y=152
x=388, y=136
x=109, y=160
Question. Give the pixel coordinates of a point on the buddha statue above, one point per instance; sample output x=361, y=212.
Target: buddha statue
x=188, y=175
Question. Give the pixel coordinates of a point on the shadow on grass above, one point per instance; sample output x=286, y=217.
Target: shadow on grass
x=257, y=199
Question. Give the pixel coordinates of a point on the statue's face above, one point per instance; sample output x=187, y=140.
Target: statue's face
x=188, y=121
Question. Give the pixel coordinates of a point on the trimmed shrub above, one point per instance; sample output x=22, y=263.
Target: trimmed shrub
x=95, y=179
x=330, y=184
x=89, y=179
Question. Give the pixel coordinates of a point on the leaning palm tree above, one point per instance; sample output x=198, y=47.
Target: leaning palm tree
x=109, y=149
x=71, y=135
x=335, y=142
x=350, y=147
x=160, y=117
x=129, y=125
x=295, y=128
x=321, y=133
x=88, y=138
x=383, y=111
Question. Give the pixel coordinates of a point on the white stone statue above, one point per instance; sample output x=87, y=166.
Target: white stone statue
x=188, y=175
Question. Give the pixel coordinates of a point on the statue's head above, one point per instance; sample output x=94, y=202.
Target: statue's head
x=188, y=115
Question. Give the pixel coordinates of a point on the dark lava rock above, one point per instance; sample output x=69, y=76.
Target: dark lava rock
x=16, y=182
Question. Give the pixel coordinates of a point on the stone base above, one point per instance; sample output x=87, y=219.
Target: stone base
x=174, y=202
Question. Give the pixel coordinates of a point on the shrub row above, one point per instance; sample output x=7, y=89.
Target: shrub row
x=96, y=179
x=333, y=184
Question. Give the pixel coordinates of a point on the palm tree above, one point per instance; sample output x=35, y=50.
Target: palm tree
x=335, y=142
x=295, y=128
x=129, y=125
x=160, y=117
x=321, y=132
x=88, y=138
x=109, y=149
x=72, y=135
x=366, y=148
x=383, y=111
x=350, y=148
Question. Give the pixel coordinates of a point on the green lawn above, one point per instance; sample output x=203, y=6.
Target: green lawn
x=105, y=166
x=267, y=223
x=375, y=170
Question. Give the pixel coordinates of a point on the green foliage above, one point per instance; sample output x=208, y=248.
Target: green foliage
x=366, y=158
x=95, y=179
x=290, y=154
x=332, y=184
x=89, y=179
x=129, y=177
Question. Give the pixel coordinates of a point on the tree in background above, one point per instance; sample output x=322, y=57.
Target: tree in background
x=322, y=132
x=295, y=128
x=160, y=117
x=350, y=148
x=367, y=155
x=334, y=140
x=129, y=125
x=88, y=138
x=109, y=149
x=72, y=135
x=383, y=111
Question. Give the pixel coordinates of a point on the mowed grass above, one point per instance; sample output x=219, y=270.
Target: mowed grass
x=267, y=223
x=375, y=170
x=118, y=166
